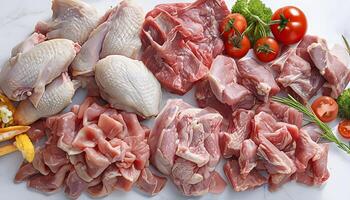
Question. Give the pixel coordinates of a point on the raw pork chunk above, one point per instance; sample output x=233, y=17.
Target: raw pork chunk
x=184, y=145
x=297, y=72
x=224, y=78
x=332, y=67
x=180, y=41
x=257, y=79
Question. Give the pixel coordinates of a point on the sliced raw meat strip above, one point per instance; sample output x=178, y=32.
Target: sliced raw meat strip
x=239, y=183
x=75, y=186
x=25, y=172
x=257, y=79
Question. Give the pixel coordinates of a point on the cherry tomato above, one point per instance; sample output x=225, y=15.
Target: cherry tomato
x=289, y=25
x=344, y=128
x=232, y=23
x=236, y=46
x=325, y=108
x=266, y=49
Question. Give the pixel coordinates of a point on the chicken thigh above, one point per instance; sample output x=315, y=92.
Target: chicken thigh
x=118, y=35
x=26, y=74
x=57, y=96
x=128, y=85
x=71, y=19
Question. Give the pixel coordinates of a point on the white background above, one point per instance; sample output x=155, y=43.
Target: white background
x=327, y=18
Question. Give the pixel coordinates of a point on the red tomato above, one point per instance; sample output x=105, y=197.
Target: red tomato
x=325, y=108
x=289, y=25
x=232, y=23
x=236, y=46
x=266, y=49
x=344, y=128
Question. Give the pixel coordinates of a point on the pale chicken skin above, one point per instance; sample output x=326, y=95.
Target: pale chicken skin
x=128, y=85
x=26, y=74
x=118, y=35
x=71, y=19
x=57, y=96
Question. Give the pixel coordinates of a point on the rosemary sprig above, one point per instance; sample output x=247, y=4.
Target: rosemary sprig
x=307, y=111
x=346, y=44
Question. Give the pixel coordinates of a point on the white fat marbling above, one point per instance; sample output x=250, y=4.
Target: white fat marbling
x=327, y=18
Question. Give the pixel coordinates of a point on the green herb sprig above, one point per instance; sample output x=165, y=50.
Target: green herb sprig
x=346, y=44
x=307, y=111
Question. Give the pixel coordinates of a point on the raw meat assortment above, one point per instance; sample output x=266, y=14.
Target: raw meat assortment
x=26, y=74
x=71, y=19
x=224, y=81
x=184, y=144
x=332, y=68
x=128, y=85
x=58, y=95
x=118, y=35
x=257, y=79
x=296, y=71
x=93, y=148
x=268, y=145
x=181, y=40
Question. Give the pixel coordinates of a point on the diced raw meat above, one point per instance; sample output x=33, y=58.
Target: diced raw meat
x=277, y=161
x=230, y=142
x=96, y=162
x=184, y=145
x=257, y=79
x=54, y=157
x=150, y=183
x=247, y=159
x=217, y=183
x=282, y=113
x=36, y=131
x=181, y=41
x=296, y=72
x=239, y=183
x=314, y=131
x=279, y=133
x=319, y=166
x=49, y=183
x=305, y=151
x=223, y=78
x=206, y=98
x=25, y=172
x=38, y=162
x=331, y=67
x=75, y=186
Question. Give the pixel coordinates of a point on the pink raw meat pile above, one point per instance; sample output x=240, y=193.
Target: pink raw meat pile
x=184, y=145
x=181, y=40
x=268, y=145
x=93, y=148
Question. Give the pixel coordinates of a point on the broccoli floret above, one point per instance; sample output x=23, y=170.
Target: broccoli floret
x=344, y=104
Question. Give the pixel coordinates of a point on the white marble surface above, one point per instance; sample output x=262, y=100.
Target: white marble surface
x=327, y=18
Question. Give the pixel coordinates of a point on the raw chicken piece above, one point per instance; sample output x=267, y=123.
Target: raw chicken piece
x=28, y=44
x=57, y=96
x=26, y=74
x=332, y=68
x=128, y=85
x=118, y=35
x=257, y=79
x=84, y=62
x=223, y=78
x=123, y=35
x=181, y=40
x=184, y=145
x=71, y=19
x=75, y=186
